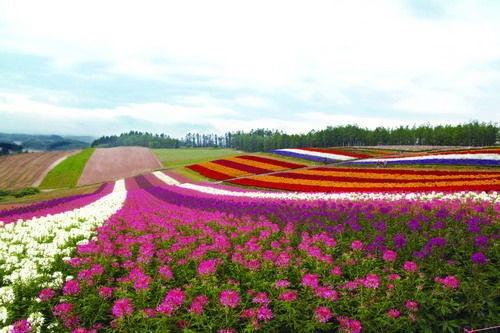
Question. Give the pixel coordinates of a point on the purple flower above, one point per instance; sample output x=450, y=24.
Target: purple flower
x=479, y=258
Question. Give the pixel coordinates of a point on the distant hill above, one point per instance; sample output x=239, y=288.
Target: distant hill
x=46, y=142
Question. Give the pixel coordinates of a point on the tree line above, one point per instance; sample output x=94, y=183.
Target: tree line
x=470, y=134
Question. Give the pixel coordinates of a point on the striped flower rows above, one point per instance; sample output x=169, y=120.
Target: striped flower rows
x=240, y=166
x=374, y=180
x=32, y=252
x=321, y=155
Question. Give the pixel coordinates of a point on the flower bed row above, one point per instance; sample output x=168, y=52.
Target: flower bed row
x=320, y=155
x=32, y=253
x=176, y=260
x=54, y=206
x=374, y=180
x=239, y=166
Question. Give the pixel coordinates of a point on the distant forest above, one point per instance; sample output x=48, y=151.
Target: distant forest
x=470, y=134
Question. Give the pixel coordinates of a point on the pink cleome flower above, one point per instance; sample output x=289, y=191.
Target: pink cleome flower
x=371, y=281
x=264, y=313
x=389, y=256
x=393, y=313
x=357, y=245
x=71, y=287
x=288, y=296
x=282, y=284
x=122, y=307
x=21, y=326
x=229, y=298
x=165, y=272
x=46, y=294
x=105, y=292
x=198, y=304
x=411, y=305
x=310, y=280
x=449, y=281
x=323, y=314
x=410, y=266
x=207, y=267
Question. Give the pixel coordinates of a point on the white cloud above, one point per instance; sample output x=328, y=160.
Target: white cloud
x=327, y=53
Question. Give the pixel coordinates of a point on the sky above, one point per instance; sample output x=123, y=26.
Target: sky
x=104, y=67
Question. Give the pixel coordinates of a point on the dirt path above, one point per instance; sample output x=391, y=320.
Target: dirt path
x=107, y=164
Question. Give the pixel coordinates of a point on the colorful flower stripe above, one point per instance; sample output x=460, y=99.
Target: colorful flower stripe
x=240, y=166
x=359, y=177
x=54, y=206
x=458, y=159
x=372, y=175
x=404, y=171
x=265, y=166
x=312, y=155
x=338, y=152
x=209, y=173
x=32, y=251
x=283, y=164
x=367, y=184
x=222, y=190
x=282, y=185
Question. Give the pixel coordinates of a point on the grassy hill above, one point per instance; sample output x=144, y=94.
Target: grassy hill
x=67, y=173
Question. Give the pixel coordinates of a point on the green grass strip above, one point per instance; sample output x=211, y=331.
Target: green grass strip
x=67, y=173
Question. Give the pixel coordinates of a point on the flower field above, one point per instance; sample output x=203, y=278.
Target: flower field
x=154, y=255
x=324, y=179
x=239, y=166
x=476, y=157
x=321, y=155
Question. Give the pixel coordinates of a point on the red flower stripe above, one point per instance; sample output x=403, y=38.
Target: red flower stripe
x=283, y=164
x=407, y=171
x=208, y=172
x=338, y=152
x=447, y=152
x=294, y=175
x=312, y=188
x=241, y=166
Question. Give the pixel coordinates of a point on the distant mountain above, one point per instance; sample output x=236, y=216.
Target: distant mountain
x=46, y=142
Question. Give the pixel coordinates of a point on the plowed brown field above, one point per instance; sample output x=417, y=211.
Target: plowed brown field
x=17, y=171
x=114, y=163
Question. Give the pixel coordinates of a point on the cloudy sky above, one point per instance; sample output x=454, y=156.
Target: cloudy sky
x=98, y=67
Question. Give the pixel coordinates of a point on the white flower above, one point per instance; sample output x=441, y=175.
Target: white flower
x=4, y=315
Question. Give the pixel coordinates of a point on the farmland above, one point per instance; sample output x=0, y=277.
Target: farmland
x=354, y=247
x=24, y=170
x=67, y=173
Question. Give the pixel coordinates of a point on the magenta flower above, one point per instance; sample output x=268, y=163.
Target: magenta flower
x=371, y=281
x=282, y=284
x=71, y=287
x=449, y=281
x=310, y=280
x=264, y=313
x=21, y=326
x=357, y=245
x=288, y=296
x=261, y=298
x=172, y=301
x=62, y=309
x=389, y=256
x=393, y=313
x=229, y=298
x=411, y=305
x=207, y=267
x=410, y=266
x=105, y=292
x=122, y=307
x=46, y=294
x=323, y=314
x=165, y=272
x=337, y=270
x=198, y=304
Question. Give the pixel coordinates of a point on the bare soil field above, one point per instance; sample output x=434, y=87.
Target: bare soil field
x=17, y=171
x=114, y=163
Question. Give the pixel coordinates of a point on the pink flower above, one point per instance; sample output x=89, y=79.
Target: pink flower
x=21, y=326
x=327, y=293
x=449, y=281
x=172, y=301
x=389, y=256
x=71, y=287
x=226, y=330
x=165, y=272
x=207, y=267
x=337, y=270
x=288, y=296
x=264, y=313
x=410, y=266
x=282, y=284
x=149, y=312
x=371, y=281
x=310, y=280
x=62, y=309
x=411, y=305
x=198, y=304
x=357, y=245
x=46, y=294
x=323, y=314
x=349, y=325
x=393, y=277
x=229, y=298
x=261, y=298
x=105, y=292
x=393, y=313
x=122, y=307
